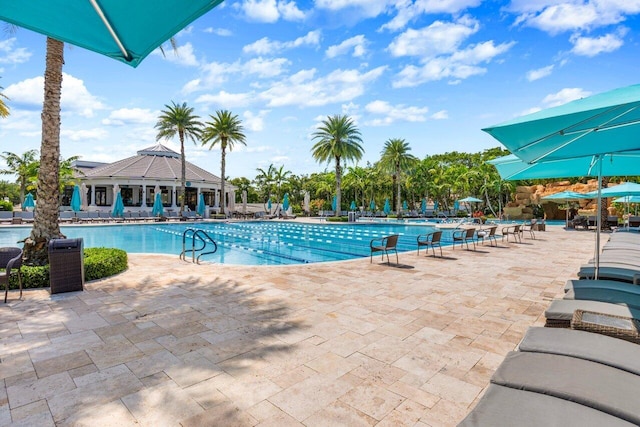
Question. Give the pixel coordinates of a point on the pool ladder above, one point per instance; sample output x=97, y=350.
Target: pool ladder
x=203, y=240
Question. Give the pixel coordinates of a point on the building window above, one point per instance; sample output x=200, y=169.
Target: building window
x=101, y=196
x=127, y=196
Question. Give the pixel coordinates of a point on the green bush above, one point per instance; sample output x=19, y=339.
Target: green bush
x=6, y=206
x=337, y=219
x=98, y=264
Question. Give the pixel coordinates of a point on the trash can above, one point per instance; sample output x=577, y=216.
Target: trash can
x=352, y=216
x=66, y=265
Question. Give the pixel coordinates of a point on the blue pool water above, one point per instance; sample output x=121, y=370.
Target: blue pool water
x=246, y=243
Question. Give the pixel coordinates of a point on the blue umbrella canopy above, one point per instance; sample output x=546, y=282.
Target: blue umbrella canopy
x=404, y=205
x=563, y=196
x=127, y=31
x=285, y=202
x=456, y=206
x=470, y=200
x=352, y=206
x=624, y=189
x=333, y=203
x=372, y=205
x=423, y=206
x=76, y=199
x=28, y=201
x=269, y=204
x=158, y=209
x=387, y=208
x=118, y=206
x=201, y=205
x=596, y=125
x=627, y=199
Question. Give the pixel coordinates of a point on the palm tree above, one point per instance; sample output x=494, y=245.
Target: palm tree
x=179, y=119
x=4, y=108
x=264, y=181
x=224, y=129
x=396, y=158
x=338, y=138
x=25, y=167
x=280, y=177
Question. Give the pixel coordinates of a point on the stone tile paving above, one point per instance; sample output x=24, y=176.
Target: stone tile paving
x=347, y=343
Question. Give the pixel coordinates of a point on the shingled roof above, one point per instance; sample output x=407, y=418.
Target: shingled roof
x=157, y=162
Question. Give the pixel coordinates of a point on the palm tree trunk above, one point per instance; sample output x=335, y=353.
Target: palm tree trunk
x=399, y=193
x=338, y=187
x=223, y=165
x=604, y=212
x=183, y=172
x=45, y=225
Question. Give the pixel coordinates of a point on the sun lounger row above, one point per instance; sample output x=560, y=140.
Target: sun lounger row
x=16, y=217
x=562, y=377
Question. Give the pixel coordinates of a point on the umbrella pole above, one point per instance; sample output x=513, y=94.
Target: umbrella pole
x=598, y=219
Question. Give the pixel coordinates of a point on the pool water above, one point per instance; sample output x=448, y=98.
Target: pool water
x=245, y=243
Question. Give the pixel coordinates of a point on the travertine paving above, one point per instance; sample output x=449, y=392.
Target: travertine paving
x=348, y=343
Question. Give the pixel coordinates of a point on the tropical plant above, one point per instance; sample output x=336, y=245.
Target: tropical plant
x=337, y=138
x=4, y=108
x=279, y=178
x=25, y=167
x=264, y=180
x=180, y=120
x=396, y=159
x=225, y=130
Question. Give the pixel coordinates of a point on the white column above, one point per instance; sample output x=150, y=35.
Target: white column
x=174, y=195
x=93, y=196
x=217, y=198
x=143, y=202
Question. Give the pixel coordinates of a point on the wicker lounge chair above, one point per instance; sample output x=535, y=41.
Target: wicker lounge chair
x=527, y=227
x=560, y=312
x=488, y=234
x=464, y=237
x=430, y=240
x=384, y=245
x=512, y=230
x=11, y=262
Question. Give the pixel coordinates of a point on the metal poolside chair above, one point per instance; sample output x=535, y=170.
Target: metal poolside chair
x=464, y=236
x=512, y=230
x=384, y=245
x=488, y=234
x=430, y=240
x=10, y=259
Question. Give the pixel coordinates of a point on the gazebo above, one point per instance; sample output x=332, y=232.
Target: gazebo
x=140, y=176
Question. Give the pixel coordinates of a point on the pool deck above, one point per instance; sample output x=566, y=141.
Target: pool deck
x=345, y=343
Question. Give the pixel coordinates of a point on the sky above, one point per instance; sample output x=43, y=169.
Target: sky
x=432, y=72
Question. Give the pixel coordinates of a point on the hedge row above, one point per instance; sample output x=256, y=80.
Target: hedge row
x=98, y=264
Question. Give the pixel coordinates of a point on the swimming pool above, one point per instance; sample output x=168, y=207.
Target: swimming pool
x=246, y=243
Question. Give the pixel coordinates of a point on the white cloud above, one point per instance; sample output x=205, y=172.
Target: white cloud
x=338, y=86
x=410, y=10
x=365, y=8
x=593, y=46
x=75, y=97
x=564, y=96
x=183, y=55
x=356, y=44
x=440, y=115
x=264, y=46
x=22, y=121
x=226, y=99
x=556, y=16
x=11, y=55
x=128, y=116
x=438, y=38
x=540, y=73
x=84, y=134
x=394, y=113
x=270, y=11
x=254, y=122
x=459, y=65
x=218, y=31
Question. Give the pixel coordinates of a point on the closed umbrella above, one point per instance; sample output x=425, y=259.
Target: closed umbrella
x=28, y=203
x=269, y=205
x=372, y=206
x=435, y=206
x=158, y=209
x=352, y=206
x=405, y=206
x=124, y=30
x=200, y=209
x=285, y=202
x=423, y=206
x=307, y=200
x=83, y=196
x=456, y=206
x=118, y=206
x=387, y=208
x=333, y=203
x=76, y=199
x=244, y=202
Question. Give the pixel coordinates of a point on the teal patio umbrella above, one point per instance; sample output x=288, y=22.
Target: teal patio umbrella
x=118, y=206
x=269, y=205
x=628, y=200
x=387, y=208
x=423, y=206
x=285, y=202
x=405, y=206
x=201, y=205
x=158, y=209
x=563, y=197
x=76, y=199
x=372, y=205
x=333, y=203
x=435, y=205
x=456, y=206
x=620, y=190
x=470, y=200
x=127, y=31
x=28, y=203
x=353, y=205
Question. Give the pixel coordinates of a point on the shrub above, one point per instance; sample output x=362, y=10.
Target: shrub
x=6, y=206
x=337, y=219
x=98, y=264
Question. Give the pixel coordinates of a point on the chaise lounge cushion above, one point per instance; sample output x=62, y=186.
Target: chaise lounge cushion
x=563, y=309
x=598, y=348
x=591, y=384
x=613, y=296
x=602, y=284
x=504, y=406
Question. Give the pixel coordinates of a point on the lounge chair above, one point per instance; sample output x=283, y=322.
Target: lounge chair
x=384, y=245
x=527, y=227
x=560, y=312
x=83, y=216
x=6, y=217
x=612, y=221
x=430, y=240
x=464, y=236
x=512, y=230
x=10, y=259
x=488, y=234
x=23, y=216
x=634, y=221
x=67, y=216
x=611, y=271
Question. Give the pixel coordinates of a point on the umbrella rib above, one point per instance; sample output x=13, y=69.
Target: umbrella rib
x=107, y=24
